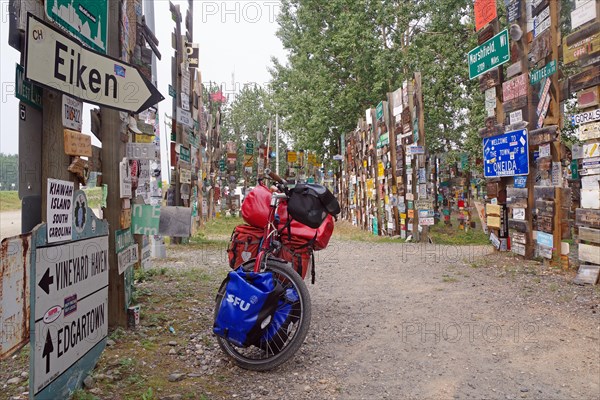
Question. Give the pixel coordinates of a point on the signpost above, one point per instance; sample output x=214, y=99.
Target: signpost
x=506, y=154
x=491, y=54
x=87, y=20
x=26, y=91
x=69, y=305
x=63, y=64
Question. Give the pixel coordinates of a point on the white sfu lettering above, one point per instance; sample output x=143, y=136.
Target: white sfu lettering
x=244, y=306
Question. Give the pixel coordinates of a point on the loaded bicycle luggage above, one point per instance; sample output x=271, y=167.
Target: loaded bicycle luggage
x=263, y=308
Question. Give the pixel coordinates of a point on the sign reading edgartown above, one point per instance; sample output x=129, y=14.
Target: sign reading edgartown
x=62, y=63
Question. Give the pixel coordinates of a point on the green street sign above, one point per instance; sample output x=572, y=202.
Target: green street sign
x=87, y=20
x=27, y=91
x=489, y=55
x=538, y=74
x=172, y=91
x=221, y=165
x=379, y=111
x=249, y=148
x=185, y=154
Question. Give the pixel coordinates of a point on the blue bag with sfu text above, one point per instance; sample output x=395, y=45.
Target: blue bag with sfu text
x=247, y=306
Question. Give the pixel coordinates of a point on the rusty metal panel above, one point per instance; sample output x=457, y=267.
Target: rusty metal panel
x=15, y=265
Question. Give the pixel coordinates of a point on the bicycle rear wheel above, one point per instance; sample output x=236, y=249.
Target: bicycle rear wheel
x=278, y=344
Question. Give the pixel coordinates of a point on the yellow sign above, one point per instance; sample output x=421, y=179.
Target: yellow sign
x=380, y=169
x=77, y=144
x=248, y=160
x=292, y=156
x=312, y=159
x=365, y=164
x=370, y=185
x=143, y=138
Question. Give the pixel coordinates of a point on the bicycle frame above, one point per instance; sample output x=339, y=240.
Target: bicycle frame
x=270, y=229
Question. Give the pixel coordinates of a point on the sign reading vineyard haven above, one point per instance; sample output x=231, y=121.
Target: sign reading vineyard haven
x=62, y=63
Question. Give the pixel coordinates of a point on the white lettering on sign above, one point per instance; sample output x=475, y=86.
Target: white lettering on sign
x=59, y=212
x=142, y=151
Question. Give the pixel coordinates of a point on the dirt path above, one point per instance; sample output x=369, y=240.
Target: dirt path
x=390, y=321
x=421, y=322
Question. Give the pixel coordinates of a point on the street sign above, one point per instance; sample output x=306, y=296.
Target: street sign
x=26, y=91
x=506, y=154
x=63, y=64
x=379, y=111
x=585, y=117
x=69, y=305
x=537, y=75
x=87, y=20
x=491, y=54
x=145, y=219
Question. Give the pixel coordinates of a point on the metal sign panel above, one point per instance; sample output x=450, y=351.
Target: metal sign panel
x=485, y=12
x=582, y=14
x=537, y=75
x=87, y=20
x=71, y=113
x=585, y=117
x=15, y=264
x=175, y=221
x=514, y=88
x=63, y=64
x=506, y=154
x=142, y=151
x=145, y=219
x=26, y=91
x=491, y=54
x=69, y=302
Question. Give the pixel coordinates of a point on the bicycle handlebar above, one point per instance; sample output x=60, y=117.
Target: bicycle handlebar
x=274, y=176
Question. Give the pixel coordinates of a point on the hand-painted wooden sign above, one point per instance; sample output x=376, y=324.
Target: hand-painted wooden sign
x=515, y=104
x=543, y=135
x=485, y=12
x=489, y=80
x=77, y=144
x=582, y=43
x=587, y=217
x=583, y=80
x=589, y=131
x=514, y=69
x=588, y=97
x=540, y=48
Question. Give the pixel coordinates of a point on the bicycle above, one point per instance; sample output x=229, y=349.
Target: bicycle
x=284, y=336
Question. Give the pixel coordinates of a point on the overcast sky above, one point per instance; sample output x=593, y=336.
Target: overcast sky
x=233, y=36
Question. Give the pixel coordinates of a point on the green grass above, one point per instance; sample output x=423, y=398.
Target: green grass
x=452, y=235
x=9, y=201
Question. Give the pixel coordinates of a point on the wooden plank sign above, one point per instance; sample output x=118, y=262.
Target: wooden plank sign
x=492, y=209
x=512, y=192
x=589, y=234
x=519, y=226
x=540, y=48
x=489, y=79
x=493, y=221
x=585, y=79
x=585, y=47
x=77, y=144
x=543, y=135
x=589, y=131
x=589, y=253
x=587, y=217
x=514, y=104
x=588, y=97
x=519, y=237
x=541, y=192
x=587, y=274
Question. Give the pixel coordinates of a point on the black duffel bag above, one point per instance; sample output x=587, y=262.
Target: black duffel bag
x=309, y=204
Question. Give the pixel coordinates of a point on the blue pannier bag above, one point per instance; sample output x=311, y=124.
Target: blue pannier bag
x=247, y=307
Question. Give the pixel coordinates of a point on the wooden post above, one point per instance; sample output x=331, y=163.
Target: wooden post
x=422, y=159
x=391, y=124
x=112, y=153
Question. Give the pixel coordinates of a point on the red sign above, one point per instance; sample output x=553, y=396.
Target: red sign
x=516, y=87
x=485, y=12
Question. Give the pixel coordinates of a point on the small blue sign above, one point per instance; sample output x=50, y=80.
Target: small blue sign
x=506, y=154
x=520, y=182
x=545, y=239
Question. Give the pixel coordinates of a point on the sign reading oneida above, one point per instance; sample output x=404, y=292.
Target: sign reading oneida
x=506, y=154
x=62, y=63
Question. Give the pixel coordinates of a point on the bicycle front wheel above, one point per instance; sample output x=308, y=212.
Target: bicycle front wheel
x=284, y=337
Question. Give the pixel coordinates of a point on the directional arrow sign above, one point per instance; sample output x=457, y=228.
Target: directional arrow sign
x=48, y=349
x=62, y=63
x=46, y=281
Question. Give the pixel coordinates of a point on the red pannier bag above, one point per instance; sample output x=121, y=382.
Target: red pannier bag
x=244, y=244
x=297, y=251
x=257, y=205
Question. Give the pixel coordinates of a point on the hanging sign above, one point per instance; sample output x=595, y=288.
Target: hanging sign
x=59, y=212
x=585, y=117
x=589, y=131
x=485, y=12
x=77, y=144
x=537, y=75
x=506, y=154
x=71, y=113
x=62, y=63
x=491, y=54
x=514, y=88
x=584, y=13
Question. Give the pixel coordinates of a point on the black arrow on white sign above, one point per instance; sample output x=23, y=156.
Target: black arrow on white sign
x=48, y=349
x=46, y=281
x=62, y=63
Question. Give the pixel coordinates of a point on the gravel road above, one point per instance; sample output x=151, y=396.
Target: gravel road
x=436, y=322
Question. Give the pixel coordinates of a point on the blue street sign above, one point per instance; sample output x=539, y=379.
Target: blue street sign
x=520, y=182
x=506, y=154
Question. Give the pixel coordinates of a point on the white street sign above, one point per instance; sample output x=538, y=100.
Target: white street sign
x=59, y=212
x=63, y=64
x=71, y=305
x=71, y=113
x=184, y=118
x=128, y=257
